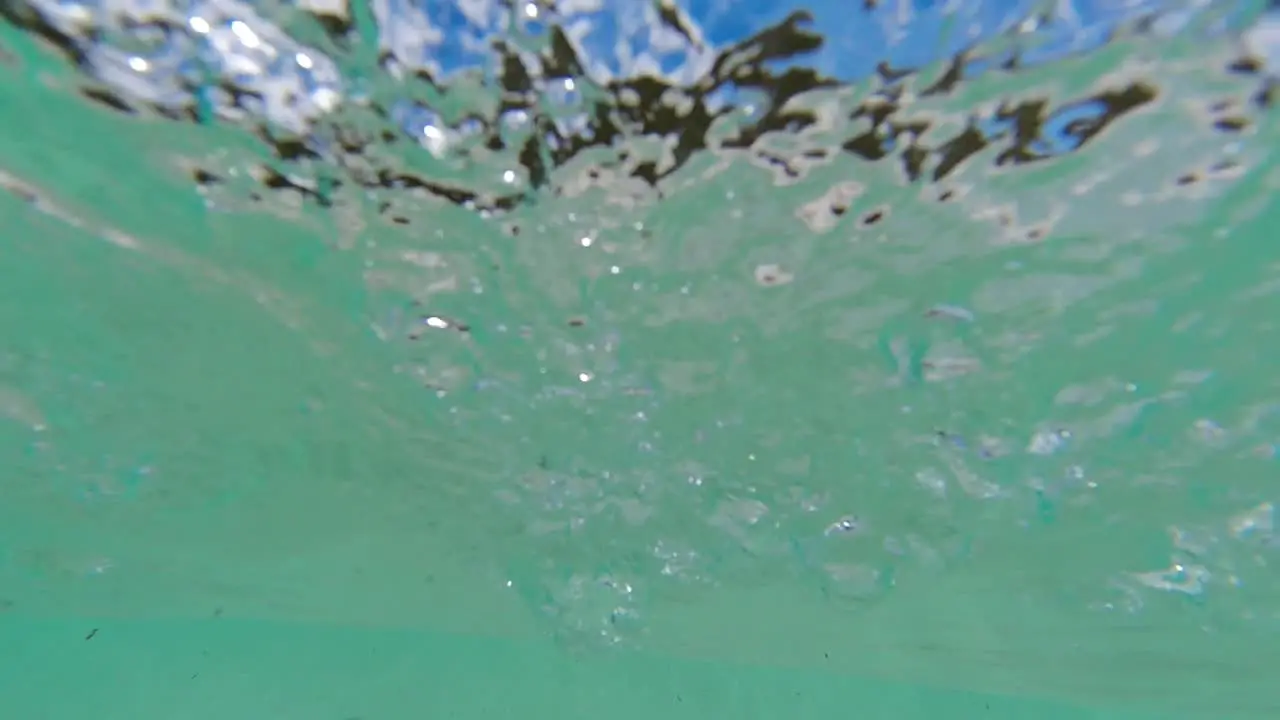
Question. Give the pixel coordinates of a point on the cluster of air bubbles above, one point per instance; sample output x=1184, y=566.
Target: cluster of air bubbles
x=207, y=56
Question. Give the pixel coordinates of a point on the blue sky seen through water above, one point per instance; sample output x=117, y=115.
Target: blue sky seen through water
x=902, y=33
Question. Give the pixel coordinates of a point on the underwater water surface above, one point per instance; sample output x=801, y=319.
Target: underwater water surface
x=705, y=358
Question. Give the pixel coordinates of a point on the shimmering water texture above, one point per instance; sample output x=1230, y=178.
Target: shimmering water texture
x=929, y=340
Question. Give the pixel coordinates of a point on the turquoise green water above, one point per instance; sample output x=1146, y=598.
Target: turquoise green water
x=209, y=669
x=233, y=487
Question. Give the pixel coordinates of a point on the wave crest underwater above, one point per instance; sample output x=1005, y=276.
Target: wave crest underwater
x=925, y=340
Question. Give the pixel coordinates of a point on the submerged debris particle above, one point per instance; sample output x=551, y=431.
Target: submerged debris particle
x=770, y=275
